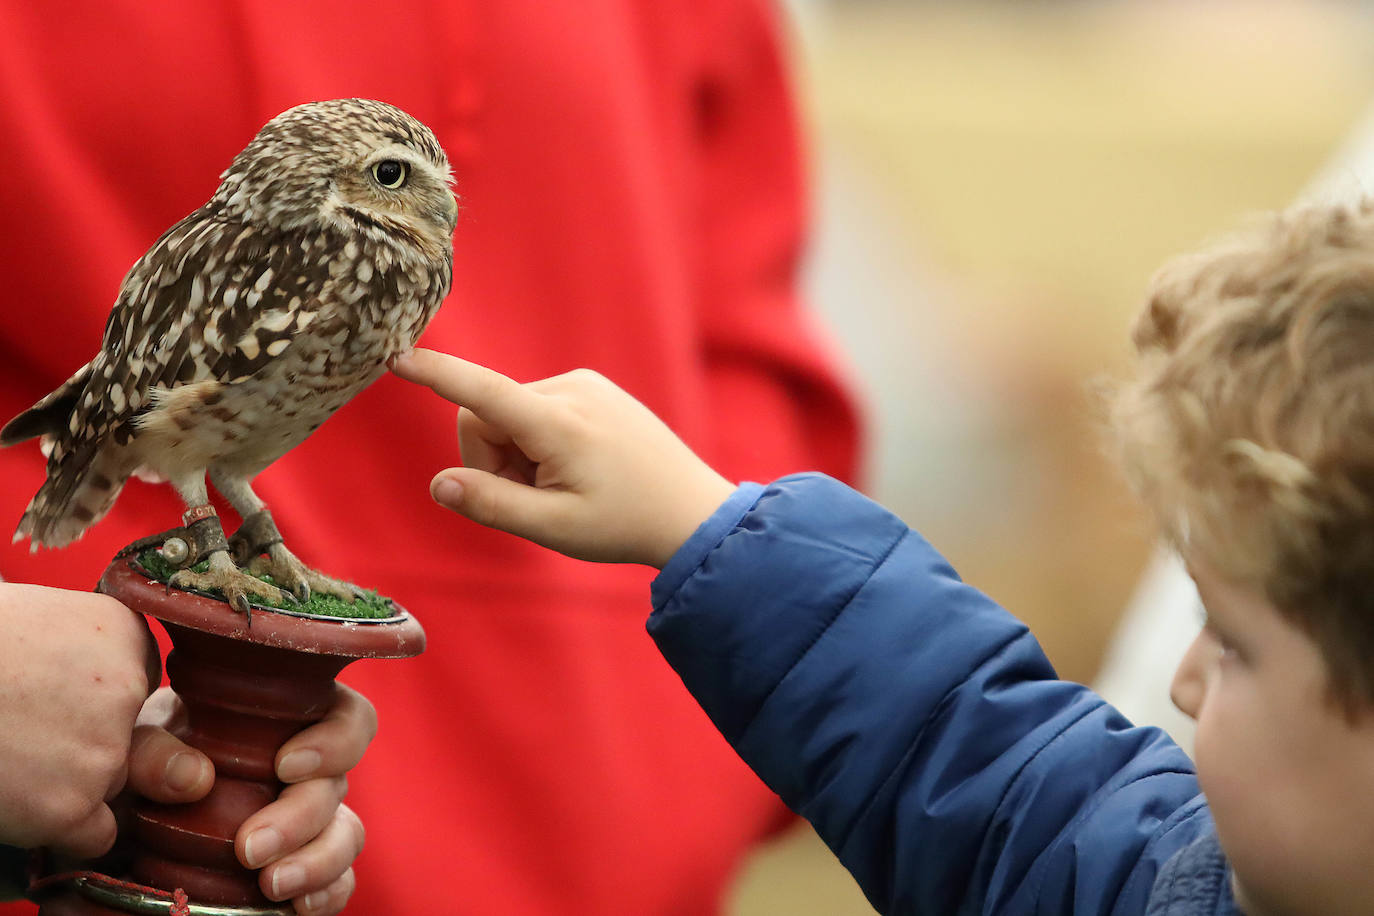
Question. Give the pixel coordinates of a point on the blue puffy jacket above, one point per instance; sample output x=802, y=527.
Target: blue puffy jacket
x=918, y=726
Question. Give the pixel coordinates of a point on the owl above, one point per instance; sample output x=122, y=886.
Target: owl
x=325, y=250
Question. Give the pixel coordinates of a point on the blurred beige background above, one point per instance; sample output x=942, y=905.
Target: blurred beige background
x=995, y=182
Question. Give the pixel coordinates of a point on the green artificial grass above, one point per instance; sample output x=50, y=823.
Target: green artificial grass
x=371, y=606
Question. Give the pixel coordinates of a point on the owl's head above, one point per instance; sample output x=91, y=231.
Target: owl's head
x=359, y=166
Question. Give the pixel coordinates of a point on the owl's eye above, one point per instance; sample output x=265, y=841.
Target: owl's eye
x=390, y=173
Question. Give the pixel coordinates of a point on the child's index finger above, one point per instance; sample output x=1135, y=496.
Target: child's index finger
x=500, y=401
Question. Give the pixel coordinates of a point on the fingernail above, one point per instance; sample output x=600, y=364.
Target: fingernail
x=447, y=491
x=287, y=880
x=184, y=771
x=315, y=901
x=298, y=765
x=261, y=846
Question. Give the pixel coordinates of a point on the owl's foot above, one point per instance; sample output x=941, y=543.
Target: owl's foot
x=258, y=535
x=235, y=584
x=283, y=566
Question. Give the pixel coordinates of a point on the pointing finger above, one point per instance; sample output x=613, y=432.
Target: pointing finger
x=493, y=397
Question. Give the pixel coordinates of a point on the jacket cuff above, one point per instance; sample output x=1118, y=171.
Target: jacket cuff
x=682, y=564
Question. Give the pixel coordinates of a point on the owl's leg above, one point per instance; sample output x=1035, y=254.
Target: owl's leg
x=222, y=575
x=258, y=535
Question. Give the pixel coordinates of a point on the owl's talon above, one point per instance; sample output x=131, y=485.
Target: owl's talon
x=230, y=581
x=299, y=579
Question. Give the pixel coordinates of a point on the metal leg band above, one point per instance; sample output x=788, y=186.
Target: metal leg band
x=204, y=536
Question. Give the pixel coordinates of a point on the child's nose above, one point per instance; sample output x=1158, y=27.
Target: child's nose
x=1189, y=686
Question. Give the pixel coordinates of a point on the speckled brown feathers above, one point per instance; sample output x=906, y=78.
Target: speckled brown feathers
x=254, y=318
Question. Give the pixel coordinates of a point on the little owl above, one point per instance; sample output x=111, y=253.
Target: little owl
x=324, y=252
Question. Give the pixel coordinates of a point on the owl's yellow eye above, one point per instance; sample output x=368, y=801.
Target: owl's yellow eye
x=390, y=173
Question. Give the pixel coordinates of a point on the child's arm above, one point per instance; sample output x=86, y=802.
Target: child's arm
x=915, y=723
x=572, y=463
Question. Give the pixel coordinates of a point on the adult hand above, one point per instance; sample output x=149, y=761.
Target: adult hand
x=75, y=668
x=305, y=841
x=571, y=462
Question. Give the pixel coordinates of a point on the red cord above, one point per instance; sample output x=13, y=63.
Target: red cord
x=178, y=903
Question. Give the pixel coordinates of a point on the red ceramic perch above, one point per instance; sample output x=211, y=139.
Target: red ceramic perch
x=248, y=687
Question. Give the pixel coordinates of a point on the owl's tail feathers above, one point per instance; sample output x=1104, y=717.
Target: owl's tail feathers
x=50, y=416
x=82, y=483
x=67, y=504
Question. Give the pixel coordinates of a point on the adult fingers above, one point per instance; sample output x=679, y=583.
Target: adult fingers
x=164, y=769
x=296, y=819
x=318, y=865
x=333, y=745
x=329, y=901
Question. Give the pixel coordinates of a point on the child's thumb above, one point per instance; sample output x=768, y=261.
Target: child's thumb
x=493, y=501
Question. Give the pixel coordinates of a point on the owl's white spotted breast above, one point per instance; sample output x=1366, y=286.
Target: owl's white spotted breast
x=242, y=425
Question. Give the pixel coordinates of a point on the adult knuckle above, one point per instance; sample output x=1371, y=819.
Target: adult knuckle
x=356, y=829
x=65, y=809
x=367, y=717
x=105, y=604
x=104, y=754
x=339, y=893
x=117, y=712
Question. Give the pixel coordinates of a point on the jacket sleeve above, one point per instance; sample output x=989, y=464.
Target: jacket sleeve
x=915, y=723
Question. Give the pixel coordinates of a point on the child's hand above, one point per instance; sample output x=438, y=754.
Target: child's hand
x=570, y=462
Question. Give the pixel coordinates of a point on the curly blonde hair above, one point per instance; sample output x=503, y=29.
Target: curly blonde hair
x=1249, y=428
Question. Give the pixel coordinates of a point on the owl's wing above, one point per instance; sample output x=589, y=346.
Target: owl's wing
x=211, y=300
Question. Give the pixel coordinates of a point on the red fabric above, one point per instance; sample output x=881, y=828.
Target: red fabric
x=629, y=186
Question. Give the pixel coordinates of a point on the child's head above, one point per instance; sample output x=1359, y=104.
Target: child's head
x=1250, y=432
x=1250, y=428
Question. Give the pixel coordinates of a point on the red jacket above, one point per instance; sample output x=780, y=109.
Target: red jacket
x=629, y=183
